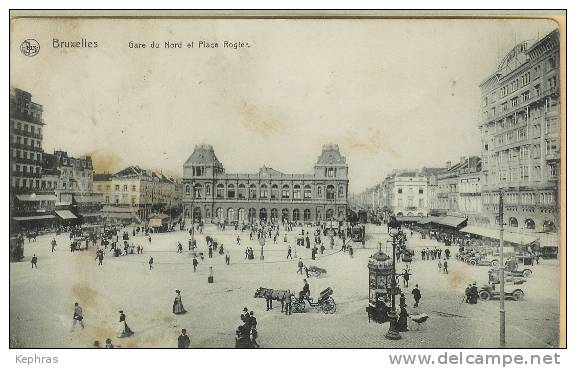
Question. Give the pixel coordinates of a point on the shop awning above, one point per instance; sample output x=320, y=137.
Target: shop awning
x=41, y=217
x=515, y=238
x=36, y=197
x=408, y=218
x=94, y=214
x=65, y=215
x=451, y=221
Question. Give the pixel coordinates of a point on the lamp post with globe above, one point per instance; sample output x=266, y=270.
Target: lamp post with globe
x=393, y=333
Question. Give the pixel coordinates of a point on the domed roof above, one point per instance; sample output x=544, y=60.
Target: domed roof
x=380, y=256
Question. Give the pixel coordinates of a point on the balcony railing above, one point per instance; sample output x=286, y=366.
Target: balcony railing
x=26, y=133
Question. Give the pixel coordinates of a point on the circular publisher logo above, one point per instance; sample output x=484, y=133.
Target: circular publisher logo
x=30, y=47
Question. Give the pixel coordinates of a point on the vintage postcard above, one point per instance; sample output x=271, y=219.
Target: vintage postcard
x=287, y=180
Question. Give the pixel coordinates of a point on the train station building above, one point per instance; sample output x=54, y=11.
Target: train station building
x=211, y=194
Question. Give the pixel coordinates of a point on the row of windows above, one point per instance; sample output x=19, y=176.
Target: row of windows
x=263, y=192
x=26, y=127
x=512, y=136
x=522, y=173
x=25, y=140
x=520, y=198
x=27, y=169
x=514, y=102
x=26, y=155
x=522, y=81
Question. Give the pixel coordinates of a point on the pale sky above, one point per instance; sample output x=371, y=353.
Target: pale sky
x=390, y=93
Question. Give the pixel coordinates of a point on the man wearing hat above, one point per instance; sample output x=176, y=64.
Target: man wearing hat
x=183, y=340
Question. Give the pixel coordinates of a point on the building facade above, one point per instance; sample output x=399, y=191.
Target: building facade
x=209, y=193
x=75, y=175
x=145, y=191
x=431, y=174
x=520, y=130
x=407, y=194
x=26, y=152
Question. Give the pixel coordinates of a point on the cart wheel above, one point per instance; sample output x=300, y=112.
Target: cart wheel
x=473, y=262
x=518, y=295
x=484, y=295
x=299, y=306
x=527, y=273
x=329, y=306
x=494, y=263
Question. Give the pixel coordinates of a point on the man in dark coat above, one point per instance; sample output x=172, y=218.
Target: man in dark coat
x=194, y=263
x=417, y=295
x=183, y=340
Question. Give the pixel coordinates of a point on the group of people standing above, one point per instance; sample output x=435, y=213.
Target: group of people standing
x=246, y=334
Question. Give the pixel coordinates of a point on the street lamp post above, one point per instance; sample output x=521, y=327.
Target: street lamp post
x=393, y=333
x=502, y=280
x=262, y=241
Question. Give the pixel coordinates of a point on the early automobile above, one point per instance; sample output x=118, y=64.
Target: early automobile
x=492, y=291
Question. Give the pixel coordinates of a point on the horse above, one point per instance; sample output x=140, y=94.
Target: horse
x=279, y=295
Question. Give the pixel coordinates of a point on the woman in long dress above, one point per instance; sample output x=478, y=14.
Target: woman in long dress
x=124, y=330
x=178, y=307
x=402, y=324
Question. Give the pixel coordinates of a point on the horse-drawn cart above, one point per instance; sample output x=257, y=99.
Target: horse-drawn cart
x=325, y=303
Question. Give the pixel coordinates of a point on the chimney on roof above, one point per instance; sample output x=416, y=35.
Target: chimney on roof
x=448, y=164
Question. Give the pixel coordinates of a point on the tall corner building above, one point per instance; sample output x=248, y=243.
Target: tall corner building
x=520, y=130
x=26, y=152
x=209, y=193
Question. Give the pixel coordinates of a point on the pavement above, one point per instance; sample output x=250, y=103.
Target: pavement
x=42, y=300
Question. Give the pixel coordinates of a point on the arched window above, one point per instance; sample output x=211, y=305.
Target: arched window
x=220, y=191
x=241, y=215
x=307, y=192
x=341, y=191
x=549, y=227
x=513, y=222
x=529, y=224
x=241, y=191
x=274, y=192
x=231, y=191
x=274, y=214
x=296, y=215
x=329, y=214
x=252, y=192
x=285, y=191
x=220, y=213
x=330, y=192
x=231, y=215
x=307, y=215
x=285, y=214
x=197, y=190
x=263, y=191
x=296, y=190
x=263, y=214
x=252, y=214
